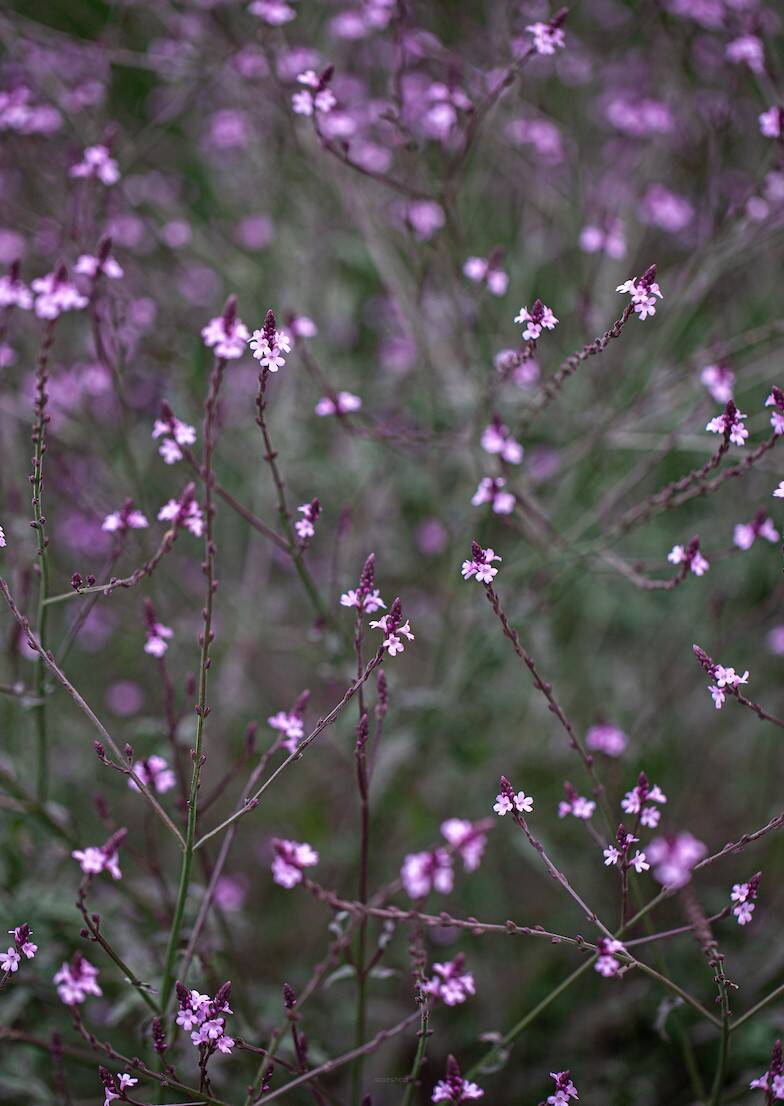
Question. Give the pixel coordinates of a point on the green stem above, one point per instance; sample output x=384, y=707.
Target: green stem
x=419, y=1058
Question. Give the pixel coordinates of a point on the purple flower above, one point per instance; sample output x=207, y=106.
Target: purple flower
x=537, y=319
x=481, y=564
x=97, y=162
x=454, y=1089
x=55, y=294
x=490, y=490
x=606, y=738
x=341, y=404
x=674, y=856
x=427, y=871
x=76, y=980
x=291, y=859
x=450, y=982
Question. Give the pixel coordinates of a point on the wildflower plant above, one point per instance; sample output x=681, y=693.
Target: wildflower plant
x=354, y=748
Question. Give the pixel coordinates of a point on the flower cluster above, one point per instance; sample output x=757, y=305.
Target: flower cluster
x=315, y=97
x=644, y=293
x=776, y=401
x=55, y=294
x=341, y=403
x=365, y=597
x=674, y=856
x=227, y=333
x=174, y=434
x=508, y=800
x=606, y=738
x=730, y=424
x=306, y=526
x=607, y=963
x=290, y=722
x=204, y=1018
x=576, y=805
x=481, y=564
x=539, y=318
x=487, y=271
x=114, y=1087
x=467, y=839
x=99, y=858
x=723, y=677
x=427, y=871
x=450, y=982
x=761, y=526
x=291, y=859
x=772, y=122
x=454, y=1089
x=13, y=290
x=97, y=162
x=497, y=438
x=269, y=344
x=548, y=37
x=183, y=512
x=564, y=1089
x=634, y=801
x=620, y=853
x=103, y=264
x=394, y=629
x=690, y=557
x=156, y=634
x=744, y=895
x=22, y=946
x=154, y=772
x=720, y=382
x=76, y=980
x=772, y=1080
x=490, y=490
x=127, y=518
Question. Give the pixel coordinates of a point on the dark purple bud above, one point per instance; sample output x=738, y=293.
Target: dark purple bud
x=289, y=998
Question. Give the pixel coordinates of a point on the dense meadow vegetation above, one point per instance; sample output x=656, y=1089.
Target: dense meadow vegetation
x=391, y=623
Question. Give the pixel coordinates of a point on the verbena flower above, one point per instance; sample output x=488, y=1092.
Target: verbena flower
x=507, y=800
x=226, y=334
x=97, y=162
x=291, y=860
x=761, y=526
x=730, y=424
x=487, y=271
x=481, y=564
x=306, y=526
x=743, y=895
x=454, y=1089
x=342, y=403
x=127, y=518
x=76, y=980
x=576, y=805
x=607, y=963
x=95, y=859
x=269, y=344
x=564, y=1089
x=674, y=856
x=539, y=318
x=490, y=490
x=154, y=771
x=467, y=840
x=429, y=871
x=720, y=382
x=175, y=433
x=497, y=438
x=606, y=738
x=691, y=555
x=450, y=982
x=644, y=293
x=55, y=294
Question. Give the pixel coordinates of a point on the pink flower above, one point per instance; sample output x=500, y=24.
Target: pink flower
x=761, y=526
x=305, y=527
x=187, y=514
x=97, y=162
x=481, y=564
x=393, y=629
x=291, y=722
x=10, y=960
x=720, y=382
x=427, y=871
x=227, y=336
x=14, y=292
x=154, y=771
x=454, y=1089
x=2, y=538
x=177, y=434
x=56, y=294
x=776, y=401
x=547, y=39
x=497, y=438
x=487, y=272
x=746, y=50
x=508, y=800
x=576, y=805
x=606, y=963
x=269, y=344
x=607, y=739
x=22, y=935
x=273, y=12
x=644, y=293
x=673, y=858
x=490, y=490
x=611, y=240
x=341, y=404
x=730, y=424
x=99, y=858
x=469, y=841
x=77, y=980
x=291, y=859
x=537, y=319
x=451, y=982
x=691, y=556
x=90, y=266
x=127, y=518
x=425, y=218
x=772, y=122
x=564, y=1089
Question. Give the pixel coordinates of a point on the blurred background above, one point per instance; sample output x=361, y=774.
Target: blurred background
x=637, y=143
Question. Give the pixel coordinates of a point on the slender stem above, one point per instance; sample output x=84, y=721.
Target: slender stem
x=39, y=525
x=774, y=994
x=86, y=709
x=202, y=709
x=252, y=802
x=419, y=1057
x=364, y=844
